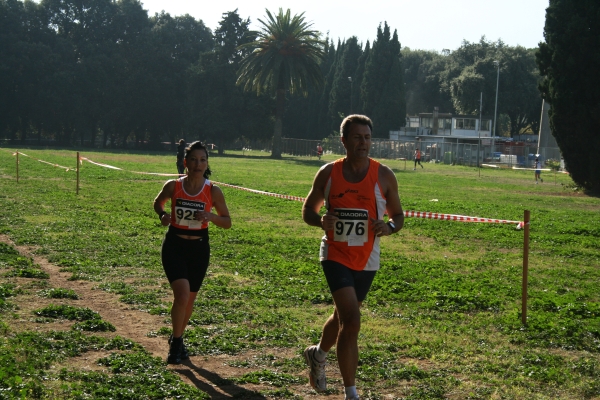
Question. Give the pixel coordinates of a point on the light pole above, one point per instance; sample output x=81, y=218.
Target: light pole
x=479, y=133
x=350, y=79
x=497, y=64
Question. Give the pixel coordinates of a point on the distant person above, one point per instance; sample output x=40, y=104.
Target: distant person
x=538, y=171
x=180, y=156
x=319, y=151
x=185, y=249
x=417, y=159
x=357, y=191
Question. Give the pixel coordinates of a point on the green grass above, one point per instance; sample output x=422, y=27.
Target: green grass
x=442, y=319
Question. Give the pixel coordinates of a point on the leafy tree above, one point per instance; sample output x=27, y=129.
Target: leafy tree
x=569, y=61
x=131, y=91
x=285, y=56
x=471, y=70
x=177, y=42
x=221, y=111
x=521, y=99
x=87, y=27
x=422, y=70
x=25, y=55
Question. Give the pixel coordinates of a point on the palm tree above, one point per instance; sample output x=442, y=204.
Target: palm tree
x=286, y=56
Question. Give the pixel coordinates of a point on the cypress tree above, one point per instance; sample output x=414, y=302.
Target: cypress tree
x=383, y=85
x=391, y=113
x=569, y=62
x=324, y=128
x=358, y=77
x=340, y=96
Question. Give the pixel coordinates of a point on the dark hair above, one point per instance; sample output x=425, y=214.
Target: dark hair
x=181, y=141
x=354, y=119
x=198, y=145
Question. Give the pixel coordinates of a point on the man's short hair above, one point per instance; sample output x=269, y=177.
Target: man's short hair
x=354, y=119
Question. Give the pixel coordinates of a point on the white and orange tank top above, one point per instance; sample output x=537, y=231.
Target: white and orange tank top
x=184, y=205
x=351, y=242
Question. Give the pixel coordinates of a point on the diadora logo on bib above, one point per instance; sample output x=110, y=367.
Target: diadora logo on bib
x=352, y=214
x=197, y=205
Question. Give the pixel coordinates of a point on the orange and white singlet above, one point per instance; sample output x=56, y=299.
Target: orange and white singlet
x=184, y=205
x=351, y=242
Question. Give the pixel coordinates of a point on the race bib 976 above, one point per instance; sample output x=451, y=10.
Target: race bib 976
x=185, y=211
x=352, y=226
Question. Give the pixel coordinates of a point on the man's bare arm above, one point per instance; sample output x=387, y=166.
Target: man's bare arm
x=314, y=201
x=394, y=207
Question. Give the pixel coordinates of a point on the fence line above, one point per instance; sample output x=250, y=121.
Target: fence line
x=432, y=151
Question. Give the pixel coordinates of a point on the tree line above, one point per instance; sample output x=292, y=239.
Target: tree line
x=105, y=72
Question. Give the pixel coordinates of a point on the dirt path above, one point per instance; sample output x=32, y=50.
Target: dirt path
x=206, y=373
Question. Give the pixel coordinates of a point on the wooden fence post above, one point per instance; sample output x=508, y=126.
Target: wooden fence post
x=77, y=189
x=525, y=267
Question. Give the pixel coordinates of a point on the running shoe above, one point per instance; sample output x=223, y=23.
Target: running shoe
x=184, y=351
x=317, y=369
x=175, y=347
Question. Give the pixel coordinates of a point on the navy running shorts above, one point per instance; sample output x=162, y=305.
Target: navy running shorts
x=185, y=259
x=339, y=276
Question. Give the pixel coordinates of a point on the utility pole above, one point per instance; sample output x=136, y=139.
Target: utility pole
x=497, y=64
x=479, y=132
x=351, y=92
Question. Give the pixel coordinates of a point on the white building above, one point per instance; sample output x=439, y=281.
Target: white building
x=442, y=127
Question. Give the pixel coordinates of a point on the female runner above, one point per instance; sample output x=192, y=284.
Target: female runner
x=185, y=249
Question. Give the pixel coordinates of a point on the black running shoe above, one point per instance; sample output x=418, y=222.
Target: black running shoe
x=175, y=350
x=184, y=351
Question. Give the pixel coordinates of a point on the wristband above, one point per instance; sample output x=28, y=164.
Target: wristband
x=161, y=215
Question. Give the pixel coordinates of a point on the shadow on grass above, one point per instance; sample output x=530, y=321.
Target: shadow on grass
x=207, y=381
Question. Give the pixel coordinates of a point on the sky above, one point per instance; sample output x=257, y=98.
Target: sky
x=421, y=25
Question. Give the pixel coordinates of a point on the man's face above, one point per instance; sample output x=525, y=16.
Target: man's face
x=358, y=142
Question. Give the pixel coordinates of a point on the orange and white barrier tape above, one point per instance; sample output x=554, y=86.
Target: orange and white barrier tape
x=42, y=161
x=417, y=214
x=281, y=196
x=460, y=218
x=121, y=169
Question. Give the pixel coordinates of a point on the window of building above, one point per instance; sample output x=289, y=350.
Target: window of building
x=412, y=122
x=465, y=123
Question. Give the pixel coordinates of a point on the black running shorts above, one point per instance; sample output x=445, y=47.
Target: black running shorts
x=185, y=259
x=339, y=276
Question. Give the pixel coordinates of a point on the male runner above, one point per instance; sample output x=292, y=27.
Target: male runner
x=357, y=191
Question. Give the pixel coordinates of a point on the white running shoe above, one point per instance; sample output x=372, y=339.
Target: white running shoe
x=317, y=369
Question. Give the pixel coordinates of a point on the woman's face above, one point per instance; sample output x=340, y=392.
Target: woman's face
x=196, y=162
